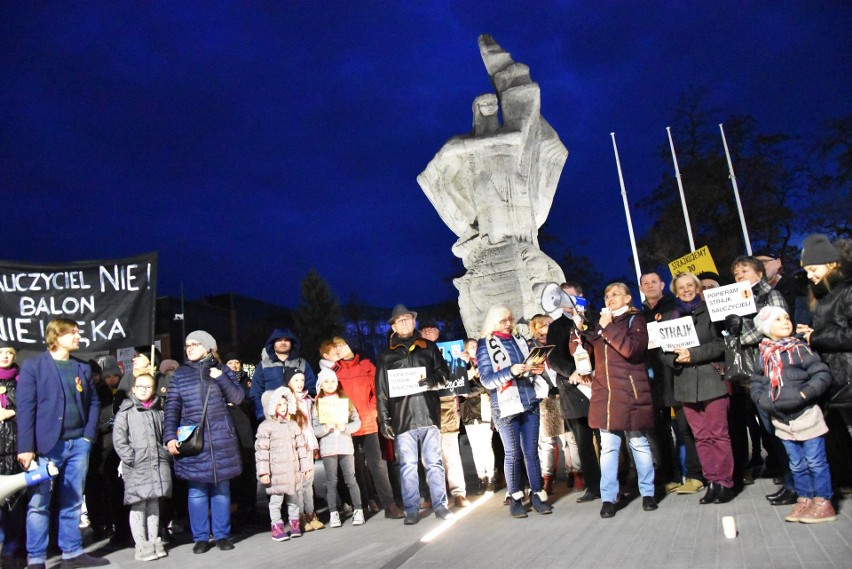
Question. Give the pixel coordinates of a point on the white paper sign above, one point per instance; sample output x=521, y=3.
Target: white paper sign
x=734, y=298
x=671, y=334
x=403, y=382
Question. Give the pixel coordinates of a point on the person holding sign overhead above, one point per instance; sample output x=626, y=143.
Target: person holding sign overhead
x=514, y=404
x=699, y=385
x=408, y=374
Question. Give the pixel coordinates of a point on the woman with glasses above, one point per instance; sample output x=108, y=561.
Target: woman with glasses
x=621, y=395
x=208, y=473
x=501, y=357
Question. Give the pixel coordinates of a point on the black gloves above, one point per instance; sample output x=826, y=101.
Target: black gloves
x=733, y=324
x=387, y=431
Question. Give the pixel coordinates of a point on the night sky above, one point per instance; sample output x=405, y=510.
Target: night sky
x=247, y=142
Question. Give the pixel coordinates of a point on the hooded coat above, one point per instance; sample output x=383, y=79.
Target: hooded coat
x=621, y=394
x=269, y=374
x=280, y=449
x=832, y=335
x=137, y=436
x=219, y=459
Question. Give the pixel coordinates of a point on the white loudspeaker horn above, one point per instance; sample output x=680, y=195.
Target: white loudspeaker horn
x=553, y=299
x=11, y=484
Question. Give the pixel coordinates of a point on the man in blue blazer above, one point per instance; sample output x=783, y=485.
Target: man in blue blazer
x=57, y=420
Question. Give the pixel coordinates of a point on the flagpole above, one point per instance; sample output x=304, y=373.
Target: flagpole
x=736, y=192
x=682, y=197
x=627, y=214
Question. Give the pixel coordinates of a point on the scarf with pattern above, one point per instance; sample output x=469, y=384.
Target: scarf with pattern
x=773, y=364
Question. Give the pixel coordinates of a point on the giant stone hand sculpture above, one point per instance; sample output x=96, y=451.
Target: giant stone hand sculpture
x=494, y=188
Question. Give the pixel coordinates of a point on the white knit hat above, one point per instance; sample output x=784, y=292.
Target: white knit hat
x=764, y=319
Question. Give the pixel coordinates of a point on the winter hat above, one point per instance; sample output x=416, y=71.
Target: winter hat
x=203, y=338
x=400, y=310
x=818, y=250
x=110, y=367
x=764, y=319
x=290, y=373
x=428, y=324
x=325, y=374
x=168, y=365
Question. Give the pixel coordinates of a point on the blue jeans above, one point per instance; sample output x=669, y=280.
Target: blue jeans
x=71, y=457
x=429, y=440
x=215, y=498
x=641, y=450
x=520, y=442
x=809, y=466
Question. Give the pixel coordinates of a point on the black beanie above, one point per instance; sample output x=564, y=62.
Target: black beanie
x=818, y=250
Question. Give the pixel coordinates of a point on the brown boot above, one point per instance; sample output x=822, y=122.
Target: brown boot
x=819, y=511
x=548, y=484
x=579, y=482
x=802, y=504
x=393, y=512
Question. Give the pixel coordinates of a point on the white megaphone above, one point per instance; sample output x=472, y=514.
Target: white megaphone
x=554, y=299
x=14, y=482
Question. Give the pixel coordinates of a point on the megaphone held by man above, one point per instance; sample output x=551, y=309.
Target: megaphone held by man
x=14, y=482
x=554, y=299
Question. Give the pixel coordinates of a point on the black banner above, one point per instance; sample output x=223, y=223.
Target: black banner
x=112, y=302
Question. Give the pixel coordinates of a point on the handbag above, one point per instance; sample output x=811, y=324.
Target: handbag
x=738, y=365
x=191, y=437
x=509, y=400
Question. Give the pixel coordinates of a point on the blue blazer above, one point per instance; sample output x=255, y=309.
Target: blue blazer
x=41, y=403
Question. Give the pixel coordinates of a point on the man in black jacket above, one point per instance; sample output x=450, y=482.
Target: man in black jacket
x=408, y=374
x=574, y=402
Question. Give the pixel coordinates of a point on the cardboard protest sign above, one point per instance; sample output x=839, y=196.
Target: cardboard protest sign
x=402, y=382
x=671, y=334
x=333, y=410
x=112, y=302
x=736, y=298
x=696, y=262
x=459, y=383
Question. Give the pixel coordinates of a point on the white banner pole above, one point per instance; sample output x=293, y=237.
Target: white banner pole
x=736, y=192
x=627, y=214
x=682, y=197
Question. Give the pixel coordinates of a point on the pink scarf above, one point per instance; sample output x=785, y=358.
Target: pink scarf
x=7, y=374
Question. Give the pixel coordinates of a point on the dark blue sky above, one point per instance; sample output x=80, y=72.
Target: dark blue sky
x=248, y=142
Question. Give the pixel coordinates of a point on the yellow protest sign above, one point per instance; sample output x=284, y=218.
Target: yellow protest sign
x=333, y=410
x=696, y=262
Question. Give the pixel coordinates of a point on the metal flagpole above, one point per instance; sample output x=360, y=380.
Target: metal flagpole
x=682, y=197
x=627, y=214
x=736, y=192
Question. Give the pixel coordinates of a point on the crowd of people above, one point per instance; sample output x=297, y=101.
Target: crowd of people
x=166, y=443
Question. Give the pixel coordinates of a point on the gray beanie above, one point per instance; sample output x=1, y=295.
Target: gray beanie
x=818, y=250
x=204, y=339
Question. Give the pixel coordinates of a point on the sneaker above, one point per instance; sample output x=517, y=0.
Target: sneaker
x=444, y=514
x=85, y=560
x=334, y=520
x=795, y=514
x=819, y=511
x=295, y=530
x=690, y=486
x=145, y=551
x=160, y=548
x=358, y=517
x=314, y=521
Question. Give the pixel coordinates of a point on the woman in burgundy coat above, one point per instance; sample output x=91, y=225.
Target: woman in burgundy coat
x=621, y=395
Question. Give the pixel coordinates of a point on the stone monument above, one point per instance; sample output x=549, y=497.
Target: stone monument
x=494, y=187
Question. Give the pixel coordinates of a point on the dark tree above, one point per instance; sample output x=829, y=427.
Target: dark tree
x=830, y=189
x=318, y=316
